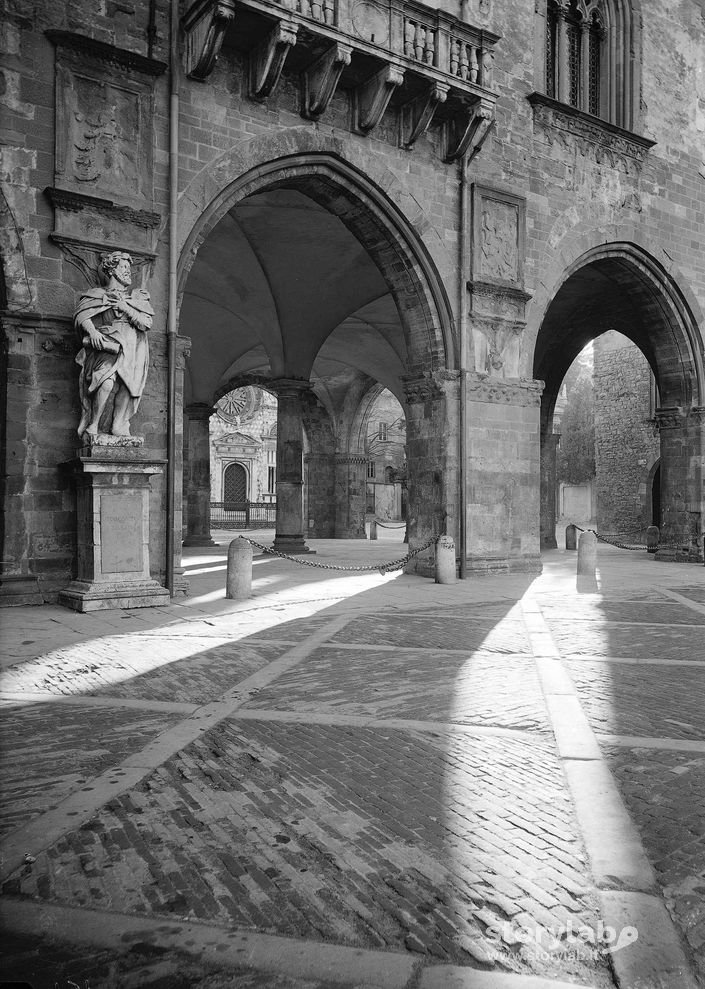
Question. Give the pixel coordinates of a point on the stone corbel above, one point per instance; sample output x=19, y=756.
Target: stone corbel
x=372, y=98
x=417, y=115
x=205, y=25
x=267, y=60
x=321, y=79
x=467, y=130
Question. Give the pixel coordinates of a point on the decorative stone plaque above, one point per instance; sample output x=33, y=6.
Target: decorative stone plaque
x=498, y=237
x=121, y=539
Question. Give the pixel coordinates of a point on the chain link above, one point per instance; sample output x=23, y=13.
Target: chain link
x=381, y=567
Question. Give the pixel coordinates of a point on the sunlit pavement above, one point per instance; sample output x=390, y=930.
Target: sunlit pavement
x=361, y=779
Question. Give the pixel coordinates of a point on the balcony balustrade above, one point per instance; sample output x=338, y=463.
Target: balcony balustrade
x=434, y=68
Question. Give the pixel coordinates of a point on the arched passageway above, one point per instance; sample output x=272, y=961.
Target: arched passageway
x=620, y=287
x=304, y=278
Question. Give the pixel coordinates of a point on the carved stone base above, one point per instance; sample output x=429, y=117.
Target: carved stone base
x=113, y=494
x=293, y=545
x=82, y=595
x=478, y=565
x=199, y=541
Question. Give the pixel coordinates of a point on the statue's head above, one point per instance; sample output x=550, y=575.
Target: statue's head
x=116, y=264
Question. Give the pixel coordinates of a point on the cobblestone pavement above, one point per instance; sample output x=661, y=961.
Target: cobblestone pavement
x=368, y=764
x=665, y=793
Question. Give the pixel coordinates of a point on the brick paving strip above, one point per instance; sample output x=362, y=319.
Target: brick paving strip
x=78, y=807
x=618, y=860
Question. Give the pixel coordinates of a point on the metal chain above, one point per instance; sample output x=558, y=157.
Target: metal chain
x=620, y=545
x=381, y=567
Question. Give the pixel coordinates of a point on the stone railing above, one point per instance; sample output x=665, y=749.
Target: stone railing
x=426, y=61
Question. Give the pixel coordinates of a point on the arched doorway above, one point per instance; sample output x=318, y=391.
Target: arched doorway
x=235, y=484
x=620, y=287
x=303, y=276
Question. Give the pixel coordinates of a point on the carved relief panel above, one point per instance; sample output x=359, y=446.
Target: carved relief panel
x=498, y=300
x=103, y=165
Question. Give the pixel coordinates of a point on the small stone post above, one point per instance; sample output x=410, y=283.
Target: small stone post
x=373, y=529
x=238, y=586
x=652, y=538
x=445, y=560
x=587, y=554
x=571, y=537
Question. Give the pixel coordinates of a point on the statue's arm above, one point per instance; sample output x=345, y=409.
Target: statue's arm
x=138, y=311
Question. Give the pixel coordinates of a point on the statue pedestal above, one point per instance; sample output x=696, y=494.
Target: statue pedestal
x=113, y=488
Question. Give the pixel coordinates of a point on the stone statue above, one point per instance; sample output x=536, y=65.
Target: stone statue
x=113, y=322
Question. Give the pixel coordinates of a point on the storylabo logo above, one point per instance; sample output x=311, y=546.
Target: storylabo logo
x=578, y=941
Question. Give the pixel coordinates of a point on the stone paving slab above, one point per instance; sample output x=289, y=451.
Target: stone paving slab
x=667, y=612
x=49, y=751
x=411, y=631
x=193, y=670
x=484, y=689
x=405, y=840
x=646, y=700
x=645, y=641
x=665, y=794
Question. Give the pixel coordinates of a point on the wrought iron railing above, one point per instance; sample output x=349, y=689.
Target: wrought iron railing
x=243, y=515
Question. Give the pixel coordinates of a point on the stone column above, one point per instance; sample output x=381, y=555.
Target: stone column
x=350, y=496
x=681, y=432
x=198, y=475
x=563, y=80
x=548, y=491
x=289, y=536
x=320, y=481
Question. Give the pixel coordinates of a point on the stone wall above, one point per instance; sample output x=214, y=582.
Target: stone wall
x=626, y=438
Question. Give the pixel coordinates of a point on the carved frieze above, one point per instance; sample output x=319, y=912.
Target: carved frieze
x=673, y=417
x=596, y=140
x=424, y=388
x=486, y=389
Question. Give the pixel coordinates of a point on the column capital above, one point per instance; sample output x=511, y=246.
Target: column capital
x=672, y=417
x=289, y=387
x=199, y=410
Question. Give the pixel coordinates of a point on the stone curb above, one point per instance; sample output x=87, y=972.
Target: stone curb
x=229, y=948
x=656, y=960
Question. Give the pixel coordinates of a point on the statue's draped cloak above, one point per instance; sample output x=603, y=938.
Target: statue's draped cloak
x=131, y=362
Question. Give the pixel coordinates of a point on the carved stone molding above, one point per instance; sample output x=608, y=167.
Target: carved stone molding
x=321, y=78
x=85, y=255
x=421, y=389
x=416, y=116
x=594, y=139
x=267, y=60
x=351, y=459
x=204, y=26
x=75, y=202
x=674, y=417
x=467, y=129
x=486, y=389
x=372, y=98
x=118, y=58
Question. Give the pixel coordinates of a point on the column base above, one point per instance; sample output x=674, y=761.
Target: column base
x=83, y=595
x=199, y=541
x=293, y=545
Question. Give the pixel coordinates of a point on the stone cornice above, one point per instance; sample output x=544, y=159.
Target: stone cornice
x=607, y=143
x=75, y=202
x=103, y=52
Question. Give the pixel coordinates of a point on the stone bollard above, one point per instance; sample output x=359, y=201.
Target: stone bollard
x=445, y=560
x=373, y=529
x=652, y=538
x=238, y=585
x=571, y=537
x=587, y=554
